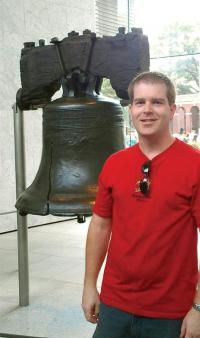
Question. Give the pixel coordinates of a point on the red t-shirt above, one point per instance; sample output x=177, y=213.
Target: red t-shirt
x=151, y=267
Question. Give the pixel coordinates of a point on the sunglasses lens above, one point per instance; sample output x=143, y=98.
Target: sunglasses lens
x=144, y=183
x=144, y=186
x=145, y=168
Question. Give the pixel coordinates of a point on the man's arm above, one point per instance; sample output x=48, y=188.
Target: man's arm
x=96, y=248
x=191, y=323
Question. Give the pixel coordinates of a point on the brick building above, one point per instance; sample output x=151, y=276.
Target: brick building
x=187, y=116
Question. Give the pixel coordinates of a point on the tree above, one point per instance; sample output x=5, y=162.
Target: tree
x=107, y=89
x=179, y=39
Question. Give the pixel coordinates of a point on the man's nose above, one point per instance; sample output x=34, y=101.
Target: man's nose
x=148, y=107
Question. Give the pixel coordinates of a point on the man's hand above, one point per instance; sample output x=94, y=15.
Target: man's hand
x=191, y=325
x=90, y=304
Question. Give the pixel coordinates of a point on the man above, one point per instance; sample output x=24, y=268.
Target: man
x=145, y=219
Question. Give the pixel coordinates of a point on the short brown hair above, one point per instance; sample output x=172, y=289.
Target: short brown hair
x=153, y=77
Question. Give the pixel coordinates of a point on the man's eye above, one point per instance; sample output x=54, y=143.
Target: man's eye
x=139, y=103
x=157, y=102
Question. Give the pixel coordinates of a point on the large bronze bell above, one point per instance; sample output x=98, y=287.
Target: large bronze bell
x=81, y=129
x=78, y=135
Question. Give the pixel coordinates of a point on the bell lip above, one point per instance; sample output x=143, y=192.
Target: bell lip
x=26, y=212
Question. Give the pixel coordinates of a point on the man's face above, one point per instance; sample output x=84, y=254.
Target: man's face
x=150, y=110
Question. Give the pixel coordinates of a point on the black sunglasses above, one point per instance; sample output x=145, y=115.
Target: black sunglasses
x=145, y=182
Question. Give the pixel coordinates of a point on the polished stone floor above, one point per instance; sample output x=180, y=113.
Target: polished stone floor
x=56, y=267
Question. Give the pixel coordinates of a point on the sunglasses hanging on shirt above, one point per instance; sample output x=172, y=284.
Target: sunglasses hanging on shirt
x=143, y=185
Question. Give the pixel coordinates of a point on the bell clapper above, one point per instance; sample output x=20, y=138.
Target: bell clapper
x=81, y=218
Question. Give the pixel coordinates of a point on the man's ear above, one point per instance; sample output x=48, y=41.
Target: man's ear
x=130, y=111
x=173, y=110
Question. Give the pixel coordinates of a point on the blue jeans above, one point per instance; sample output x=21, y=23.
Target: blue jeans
x=114, y=323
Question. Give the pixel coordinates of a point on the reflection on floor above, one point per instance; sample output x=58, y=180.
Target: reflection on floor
x=56, y=263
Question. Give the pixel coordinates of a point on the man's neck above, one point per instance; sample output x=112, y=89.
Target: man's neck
x=153, y=147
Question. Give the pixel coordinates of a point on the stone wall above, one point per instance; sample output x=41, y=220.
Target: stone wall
x=21, y=21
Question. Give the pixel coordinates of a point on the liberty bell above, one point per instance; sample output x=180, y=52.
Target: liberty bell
x=82, y=128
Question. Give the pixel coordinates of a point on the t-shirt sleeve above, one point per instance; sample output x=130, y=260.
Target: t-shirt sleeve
x=104, y=201
x=196, y=204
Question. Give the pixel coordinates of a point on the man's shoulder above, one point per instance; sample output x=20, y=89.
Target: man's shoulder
x=186, y=149
x=123, y=154
x=120, y=160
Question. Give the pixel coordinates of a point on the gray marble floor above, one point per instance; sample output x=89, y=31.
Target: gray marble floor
x=56, y=262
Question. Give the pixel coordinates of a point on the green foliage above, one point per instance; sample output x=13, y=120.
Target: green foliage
x=179, y=39
x=195, y=145
x=107, y=89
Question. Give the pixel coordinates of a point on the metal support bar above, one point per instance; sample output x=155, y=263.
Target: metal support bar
x=128, y=5
x=22, y=229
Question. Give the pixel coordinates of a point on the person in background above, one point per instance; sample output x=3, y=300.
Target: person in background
x=145, y=219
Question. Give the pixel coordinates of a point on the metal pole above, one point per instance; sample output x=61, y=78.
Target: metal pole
x=22, y=229
x=128, y=3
